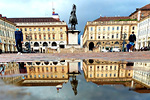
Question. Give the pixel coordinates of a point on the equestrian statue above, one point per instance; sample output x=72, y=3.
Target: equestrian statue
x=73, y=19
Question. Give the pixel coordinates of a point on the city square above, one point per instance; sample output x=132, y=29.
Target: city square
x=72, y=50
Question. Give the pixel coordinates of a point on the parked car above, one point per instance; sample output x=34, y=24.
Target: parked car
x=104, y=50
x=116, y=49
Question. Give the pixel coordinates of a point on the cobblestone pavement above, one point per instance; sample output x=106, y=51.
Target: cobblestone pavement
x=112, y=56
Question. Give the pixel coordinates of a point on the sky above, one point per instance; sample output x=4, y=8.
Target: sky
x=87, y=10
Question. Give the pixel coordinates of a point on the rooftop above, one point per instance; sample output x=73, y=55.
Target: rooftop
x=111, y=18
x=38, y=19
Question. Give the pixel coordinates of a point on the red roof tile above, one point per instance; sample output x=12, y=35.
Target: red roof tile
x=146, y=7
x=44, y=19
x=110, y=18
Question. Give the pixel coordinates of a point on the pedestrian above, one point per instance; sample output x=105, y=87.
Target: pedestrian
x=132, y=39
x=19, y=40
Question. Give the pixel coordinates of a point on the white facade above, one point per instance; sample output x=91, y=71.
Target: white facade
x=143, y=35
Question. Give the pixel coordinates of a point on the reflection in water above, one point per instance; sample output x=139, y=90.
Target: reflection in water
x=135, y=76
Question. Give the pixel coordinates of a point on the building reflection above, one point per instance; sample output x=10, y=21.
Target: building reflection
x=10, y=73
x=44, y=73
x=107, y=72
x=57, y=73
x=141, y=77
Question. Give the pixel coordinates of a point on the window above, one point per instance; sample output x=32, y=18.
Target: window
x=90, y=68
x=91, y=37
x=40, y=36
x=99, y=29
x=55, y=69
x=91, y=28
x=115, y=68
x=114, y=75
x=113, y=28
x=48, y=29
x=108, y=28
x=117, y=36
x=97, y=67
x=62, y=69
x=110, y=75
x=43, y=29
x=39, y=29
x=112, y=36
x=52, y=29
x=103, y=28
x=34, y=29
x=110, y=67
x=30, y=29
x=99, y=37
x=44, y=37
x=60, y=29
x=25, y=29
x=90, y=75
x=51, y=69
x=35, y=36
x=106, y=75
x=61, y=36
x=97, y=75
x=133, y=28
x=103, y=37
x=101, y=75
x=49, y=36
x=117, y=28
x=53, y=36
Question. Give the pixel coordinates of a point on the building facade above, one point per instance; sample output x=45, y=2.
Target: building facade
x=7, y=36
x=108, y=32
x=143, y=36
x=42, y=33
x=140, y=13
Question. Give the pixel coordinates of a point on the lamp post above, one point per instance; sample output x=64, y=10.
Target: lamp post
x=124, y=36
x=29, y=39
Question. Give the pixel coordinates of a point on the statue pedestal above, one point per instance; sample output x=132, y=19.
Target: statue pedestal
x=73, y=37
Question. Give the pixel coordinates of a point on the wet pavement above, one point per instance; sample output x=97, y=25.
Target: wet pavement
x=75, y=79
x=113, y=56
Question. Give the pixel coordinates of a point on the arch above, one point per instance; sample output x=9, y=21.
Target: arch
x=116, y=42
x=91, y=46
x=38, y=63
x=55, y=63
x=91, y=61
x=46, y=63
x=98, y=43
x=62, y=62
x=45, y=44
x=54, y=44
x=62, y=44
x=36, y=44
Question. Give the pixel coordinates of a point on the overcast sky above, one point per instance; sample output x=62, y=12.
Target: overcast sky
x=87, y=10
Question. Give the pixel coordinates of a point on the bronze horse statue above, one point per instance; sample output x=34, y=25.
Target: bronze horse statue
x=73, y=19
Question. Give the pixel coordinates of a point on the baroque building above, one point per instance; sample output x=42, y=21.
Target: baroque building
x=108, y=32
x=42, y=33
x=7, y=36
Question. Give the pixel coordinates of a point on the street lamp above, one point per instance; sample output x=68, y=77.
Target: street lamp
x=29, y=39
x=124, y=36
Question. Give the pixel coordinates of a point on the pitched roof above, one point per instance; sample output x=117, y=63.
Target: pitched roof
x=110, y=18
x=146, y=7
x=42, y=19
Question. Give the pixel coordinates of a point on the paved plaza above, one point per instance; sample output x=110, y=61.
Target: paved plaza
x=112, y=56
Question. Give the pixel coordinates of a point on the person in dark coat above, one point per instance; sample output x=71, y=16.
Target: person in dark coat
x=132, y=39
x=19, y=40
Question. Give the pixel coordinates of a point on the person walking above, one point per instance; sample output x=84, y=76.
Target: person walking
x=19, y=40
x=132, y=39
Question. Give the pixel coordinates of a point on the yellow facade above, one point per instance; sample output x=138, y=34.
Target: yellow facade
x=43, y=37
x=107, y=34
x=47, y=70
x=98, y=70
x=7, y=35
